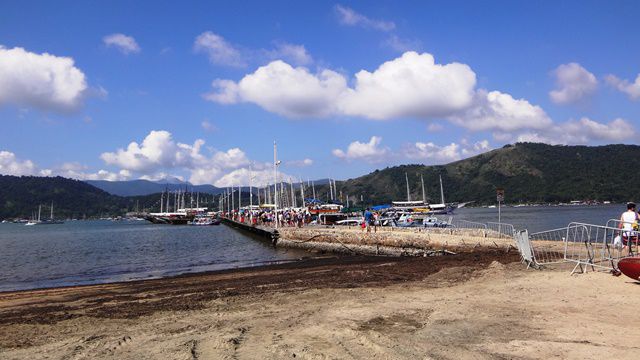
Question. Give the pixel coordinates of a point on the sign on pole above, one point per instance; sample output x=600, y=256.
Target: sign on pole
x=500, y=198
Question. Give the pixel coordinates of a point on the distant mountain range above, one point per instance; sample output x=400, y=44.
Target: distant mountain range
x=529, y=173
x=146, y=187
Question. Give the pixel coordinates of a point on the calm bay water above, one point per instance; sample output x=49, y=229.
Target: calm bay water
x=89, y=252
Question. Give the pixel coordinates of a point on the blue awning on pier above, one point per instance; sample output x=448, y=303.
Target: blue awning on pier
x=380, y=207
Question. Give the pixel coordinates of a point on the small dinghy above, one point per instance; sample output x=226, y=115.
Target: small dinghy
x=631, y=267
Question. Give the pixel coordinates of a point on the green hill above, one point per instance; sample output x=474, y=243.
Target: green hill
x=528, y=172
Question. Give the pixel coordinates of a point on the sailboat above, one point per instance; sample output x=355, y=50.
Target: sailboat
x=33, y=220
x=50, y=221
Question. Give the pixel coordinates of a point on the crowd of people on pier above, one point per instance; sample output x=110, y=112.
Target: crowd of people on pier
x=286, y=217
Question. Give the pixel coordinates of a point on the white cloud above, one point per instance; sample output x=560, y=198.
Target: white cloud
x=157, y=150
x=429, y=152
x=411, y=85
x=125, y=44
x=241, y=176
x=499, y=111
x=296, y=54
x=43, y=81
x=583, y=131
x=78, y=171
x=476, y=148
x=574, y=84
x=299, y=163
x=159, y=154
x=631, y=89
x=11, y=165
x=370, y=152
x=280, y=88
x=220, y=51
x=348, y=16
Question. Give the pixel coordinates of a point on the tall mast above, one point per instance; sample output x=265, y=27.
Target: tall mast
x=441, y=191
x=51, y=217
x=275, y=181
x=424, y=197
x=293, y=195
x=313, y=187
x=161, y=200
x=408, y=194
x=239, y=197
x=302, y=191
x=39, y=208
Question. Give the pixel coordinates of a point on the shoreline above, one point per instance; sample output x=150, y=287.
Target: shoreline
x=188, y=291
x=481, y=304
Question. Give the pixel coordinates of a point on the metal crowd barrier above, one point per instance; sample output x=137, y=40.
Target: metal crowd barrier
x=589, y=246
x=503, y=229
x=548, y=246
x=466, y=224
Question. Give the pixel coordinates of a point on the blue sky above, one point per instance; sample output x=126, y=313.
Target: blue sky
x=344, y=87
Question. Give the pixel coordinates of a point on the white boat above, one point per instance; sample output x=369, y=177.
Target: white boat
x=50, y=221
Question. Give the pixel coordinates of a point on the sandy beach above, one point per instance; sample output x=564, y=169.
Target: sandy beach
x=481, y=304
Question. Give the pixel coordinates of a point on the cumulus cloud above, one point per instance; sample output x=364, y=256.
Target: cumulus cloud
x=632, y=89
x=411, y=85
x=350, y=17
x=574, y=84
x=220, y=51
x=11, y=165
x=78, y=171
x=159, y=154
x=43, y=81
x=499, y=111
x=280, y=88
x=123, y=43
x=431, y=152
x=583, y=131
x=370, y=152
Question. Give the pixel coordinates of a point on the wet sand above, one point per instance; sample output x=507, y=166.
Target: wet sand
x=481, y=304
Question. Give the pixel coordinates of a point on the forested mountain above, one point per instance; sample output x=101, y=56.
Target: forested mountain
x=528, y=172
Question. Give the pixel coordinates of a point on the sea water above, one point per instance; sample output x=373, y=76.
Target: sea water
x=90, y=252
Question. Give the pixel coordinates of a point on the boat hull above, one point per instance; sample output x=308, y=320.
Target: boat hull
x=631, y=267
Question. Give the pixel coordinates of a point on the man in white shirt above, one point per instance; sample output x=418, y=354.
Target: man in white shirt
x=629, y=225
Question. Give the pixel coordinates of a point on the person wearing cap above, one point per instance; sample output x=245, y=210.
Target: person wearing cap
x=629, y=225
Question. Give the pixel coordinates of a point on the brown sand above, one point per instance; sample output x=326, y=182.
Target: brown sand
x=469, y=306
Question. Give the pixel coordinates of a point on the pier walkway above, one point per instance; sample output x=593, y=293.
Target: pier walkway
x=266, y=233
